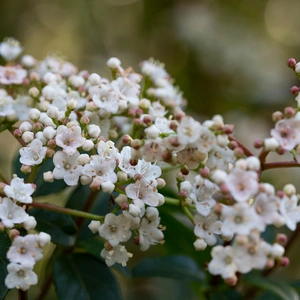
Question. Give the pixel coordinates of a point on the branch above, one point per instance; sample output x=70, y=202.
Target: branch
x=281, y=164
x=245, y=149
x=66, y=211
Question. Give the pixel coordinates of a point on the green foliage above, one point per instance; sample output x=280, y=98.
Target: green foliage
x=61, y=228
x=5, y=243
x=81, y=276
x=277, y=288
x=176, y=267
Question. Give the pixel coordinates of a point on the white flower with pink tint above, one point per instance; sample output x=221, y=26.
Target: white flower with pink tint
x=287, y=133
x=242, y=184
x=143, y=193
x=69, y=138
x=12, y=75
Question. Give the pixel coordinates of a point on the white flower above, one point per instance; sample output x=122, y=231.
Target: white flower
x=11, y=213
x=25, y=250
x=202, y=195
x=6, y=104
x=126, y=90
x=223, y=262
x=220, y=158
x=188, y=130
x=290, y=211
x=20, y=277
x=69, y=138
x=19, y=191
x=251, y=256
x=101, y=169
x=207, y=227
x=118, y=254
x=33, y=154
x=242, y=184
x=67, y=167
x=149, y=233
x=287, y=133
x=10, y=49
x=12, y=75
x=267, y=207
x=239, y=218
x=105, y=98
x=115, y=229
x=143, y=193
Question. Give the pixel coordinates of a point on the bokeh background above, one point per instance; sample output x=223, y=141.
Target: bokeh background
x=228, y=57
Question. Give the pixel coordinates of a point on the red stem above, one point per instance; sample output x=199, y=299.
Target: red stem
x=245, y=149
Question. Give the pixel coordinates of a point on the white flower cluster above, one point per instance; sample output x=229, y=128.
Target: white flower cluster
x=119, y=136
x=25, y=250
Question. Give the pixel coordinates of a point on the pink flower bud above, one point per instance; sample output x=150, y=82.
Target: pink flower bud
x=291, y=63
x=284, y=262
x=204, y=172
x=137, y=240
x=147, y=120
x=281, y=239
x=258, y=144
x=277, y=116
x=228, y=129
x=239, y=152
x=294, y=90
x=14, y=233
x=17, y=133
x=289, y=112
x=231, y=281
x=126, y=139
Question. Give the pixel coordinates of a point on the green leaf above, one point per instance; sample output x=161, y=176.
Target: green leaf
x=176, y=229
x=176, y=267
x=279, y=288
x=81, y=276
x=61, y=228
x=5, y=243
x=94, y=247
x=42, y=188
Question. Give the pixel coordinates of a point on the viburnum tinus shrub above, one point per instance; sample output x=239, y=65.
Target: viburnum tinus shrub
x=110, y=152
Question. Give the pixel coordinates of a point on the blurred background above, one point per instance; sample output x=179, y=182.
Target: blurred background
x=228, y=57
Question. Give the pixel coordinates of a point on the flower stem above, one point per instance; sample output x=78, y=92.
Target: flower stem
x=66, y=211
x=245, y=149
x=281, y=164
x=172, y=201
x=188, y=213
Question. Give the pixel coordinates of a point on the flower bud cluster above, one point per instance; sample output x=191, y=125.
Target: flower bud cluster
x=118, y=137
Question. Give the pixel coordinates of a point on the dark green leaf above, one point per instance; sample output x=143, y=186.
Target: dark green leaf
x=5, y=243
x=177, y=229
x=81, y=276
x=42, y=188
x=94, y=247
x=176, y=267
x=61, y=227
x=279, y=288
